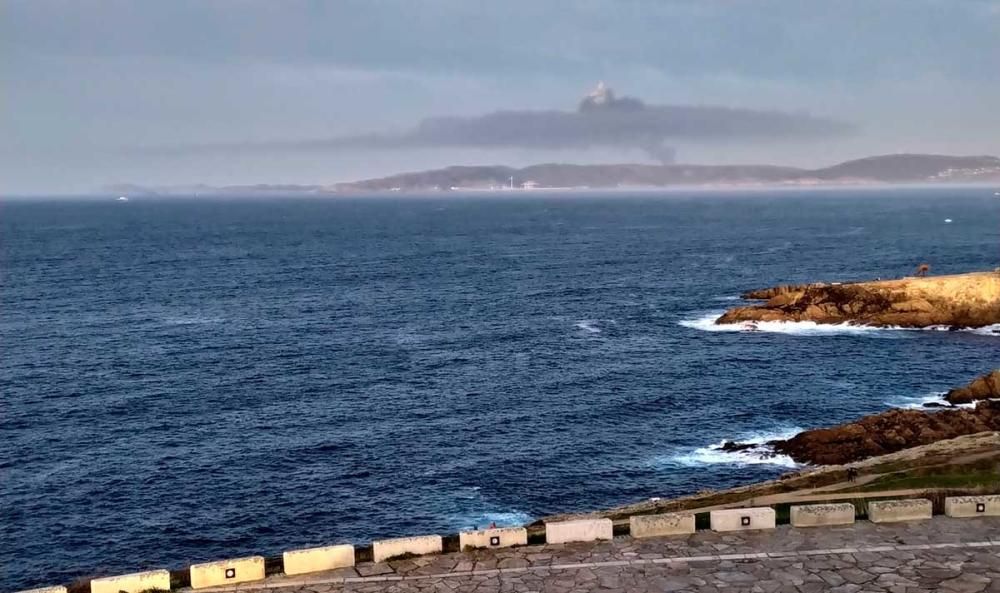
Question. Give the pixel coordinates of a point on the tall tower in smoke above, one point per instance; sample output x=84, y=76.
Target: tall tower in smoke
x=601, y=96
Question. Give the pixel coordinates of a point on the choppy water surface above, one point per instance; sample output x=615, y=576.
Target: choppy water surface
x=185, y=380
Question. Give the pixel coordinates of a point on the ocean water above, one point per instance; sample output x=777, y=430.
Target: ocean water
x=191, y=379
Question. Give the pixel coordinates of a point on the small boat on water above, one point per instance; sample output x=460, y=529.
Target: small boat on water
x=122, y=199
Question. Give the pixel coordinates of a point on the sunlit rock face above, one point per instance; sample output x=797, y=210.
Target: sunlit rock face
x=957, y=301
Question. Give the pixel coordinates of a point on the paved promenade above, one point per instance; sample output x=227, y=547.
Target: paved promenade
x=943, y=554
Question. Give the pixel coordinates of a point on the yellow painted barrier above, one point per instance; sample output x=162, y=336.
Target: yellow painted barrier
x=227, y=572
x=132, y=583
x=660, y=525
x=811, y=515
x=55, y=589
x=502, y=537
x=581, y=530
x=318, y=559
x=890, y=511
x=972, y=506
x=419, y=545
x=743, y=519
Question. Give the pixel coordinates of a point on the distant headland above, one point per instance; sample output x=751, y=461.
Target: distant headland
x=870, y=171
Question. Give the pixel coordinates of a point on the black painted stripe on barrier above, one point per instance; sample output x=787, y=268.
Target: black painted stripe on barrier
x=622, y=529
x=180, y=578
x=274, y=565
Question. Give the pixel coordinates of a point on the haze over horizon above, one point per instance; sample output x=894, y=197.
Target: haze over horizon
x=313, y=92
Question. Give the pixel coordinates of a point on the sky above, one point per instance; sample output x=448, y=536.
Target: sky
x=99, y=92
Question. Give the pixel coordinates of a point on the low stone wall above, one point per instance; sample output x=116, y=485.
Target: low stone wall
x=318, y=559
x=132, y=583
x=743, y=519
x=889, y=511
x=227, y=572
x=972, y=506
x=422, y=544
x=813, y=515
x=583, y=530
x=241, y=570
x=502, y=537
x=660, y=525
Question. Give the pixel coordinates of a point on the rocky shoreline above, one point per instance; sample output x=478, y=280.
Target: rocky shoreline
x=985, y=387
x=957, y=301
x=893, y=430
x=887, y=432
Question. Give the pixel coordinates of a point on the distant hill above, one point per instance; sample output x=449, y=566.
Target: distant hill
x=886, y=169
x=915, y=167
x=895, y=168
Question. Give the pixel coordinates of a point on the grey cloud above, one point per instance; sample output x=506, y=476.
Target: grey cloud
x=601, y=120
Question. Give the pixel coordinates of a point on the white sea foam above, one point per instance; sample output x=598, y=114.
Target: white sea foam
x=986, y=330
x=727, y=298
x=917, y=402
x=482, y=520
x=706, y=322
x=713, y=454
x=192, y=320
x=588, y=325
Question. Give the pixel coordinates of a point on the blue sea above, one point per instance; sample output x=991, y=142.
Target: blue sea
x=188, y=379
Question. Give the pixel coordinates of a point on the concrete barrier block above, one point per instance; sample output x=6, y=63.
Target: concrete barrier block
x=582, y=530
x=421, y=544
x=318, y=559
x=227, y=572
x=811, y=515
x=743, y=519
x=972, y=506
x=503, y=537
x=56, y=589
x=888, y=511
x=132, y=583
x=660, y=525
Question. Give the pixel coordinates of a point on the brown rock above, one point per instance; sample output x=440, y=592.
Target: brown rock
x=985, y=387
x=961, y=300
x=887, y=432
x=764, y=294
x=785, y=298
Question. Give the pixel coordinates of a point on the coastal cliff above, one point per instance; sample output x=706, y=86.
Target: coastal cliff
x=956, y=301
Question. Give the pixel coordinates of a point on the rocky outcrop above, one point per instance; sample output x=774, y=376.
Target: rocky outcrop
x=985, y=387
x=957, y=301
x=763, y=294
x=887, y=432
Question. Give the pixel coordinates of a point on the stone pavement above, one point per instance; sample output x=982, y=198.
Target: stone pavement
x=942, y=554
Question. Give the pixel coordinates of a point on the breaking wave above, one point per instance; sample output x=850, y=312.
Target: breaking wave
x=588, y=325
x=918, y=402
x=706, y=322
x=759, y=455
x=986, y=330
x=484, y=519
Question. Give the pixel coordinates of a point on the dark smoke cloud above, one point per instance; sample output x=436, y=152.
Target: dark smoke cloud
x=601, y=120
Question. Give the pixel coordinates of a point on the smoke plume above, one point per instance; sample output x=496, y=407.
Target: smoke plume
x=600, y=120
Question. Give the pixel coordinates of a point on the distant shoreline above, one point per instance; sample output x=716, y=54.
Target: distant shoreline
x=235, y=194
